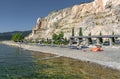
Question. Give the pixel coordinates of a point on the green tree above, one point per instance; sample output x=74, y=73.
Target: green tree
x=80, y=32
x=113, y=33
x=73, y=31
x=100, y=33
x=59, y=38
x=113, y=39
x=54, y=36
x=61, y=35
x=90, y=39
x=89, y=34
x=17, y=37
x=66, y=41
x=101, y=40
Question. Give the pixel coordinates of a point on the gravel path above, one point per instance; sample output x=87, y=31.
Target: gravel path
x=110, y=57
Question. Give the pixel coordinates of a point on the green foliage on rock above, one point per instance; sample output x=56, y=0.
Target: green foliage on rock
x=17, y=37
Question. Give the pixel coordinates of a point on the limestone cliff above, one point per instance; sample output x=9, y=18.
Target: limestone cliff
x=99, y=15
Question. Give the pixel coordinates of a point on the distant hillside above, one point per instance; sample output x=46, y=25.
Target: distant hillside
x=8, y=35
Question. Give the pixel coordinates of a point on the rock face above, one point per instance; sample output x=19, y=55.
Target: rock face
x=99, y=15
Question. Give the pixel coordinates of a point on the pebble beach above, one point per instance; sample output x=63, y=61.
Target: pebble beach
x=109, y=57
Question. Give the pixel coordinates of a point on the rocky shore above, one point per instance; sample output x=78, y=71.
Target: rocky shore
x=110, y=57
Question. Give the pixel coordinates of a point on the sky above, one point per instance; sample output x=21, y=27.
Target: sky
x=21, y=15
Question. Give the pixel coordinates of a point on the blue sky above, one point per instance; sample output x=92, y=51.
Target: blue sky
x=17, y=15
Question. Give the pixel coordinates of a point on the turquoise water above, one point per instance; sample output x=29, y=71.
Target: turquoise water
x=16, y=63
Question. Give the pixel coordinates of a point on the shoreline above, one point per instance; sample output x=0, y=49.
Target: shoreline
x=110, y=57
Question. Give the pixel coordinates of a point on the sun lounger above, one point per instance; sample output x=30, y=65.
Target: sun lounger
x=96, y=49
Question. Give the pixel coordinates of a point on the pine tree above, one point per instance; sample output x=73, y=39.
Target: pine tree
x=80, y=32
x=90, y=39
x=113, y=37
x=73, y=31
x=100, y=33
x=101, y=40
x=113, y=33
x=89, y=34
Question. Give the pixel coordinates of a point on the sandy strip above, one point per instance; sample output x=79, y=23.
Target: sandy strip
x=110, y=57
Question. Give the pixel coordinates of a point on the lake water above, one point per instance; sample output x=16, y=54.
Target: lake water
x=15, y=62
